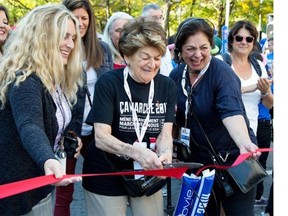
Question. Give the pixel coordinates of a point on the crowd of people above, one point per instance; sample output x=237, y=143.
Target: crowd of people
x=122, y=99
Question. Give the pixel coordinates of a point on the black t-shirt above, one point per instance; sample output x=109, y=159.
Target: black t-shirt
x=112, y=106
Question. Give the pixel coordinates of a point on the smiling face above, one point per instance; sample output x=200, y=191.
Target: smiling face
x=83, y=17
x=242, y=47
x=4, y=27
x=196, y=51
x=67, y=44
x=144, y=64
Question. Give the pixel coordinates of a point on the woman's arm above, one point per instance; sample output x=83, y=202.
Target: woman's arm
x=165, y=143
x=248, y=89
x=237, y=129
x=267, y=97
x=107, y=142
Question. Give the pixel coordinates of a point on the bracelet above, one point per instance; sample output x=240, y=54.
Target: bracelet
x=264, y=94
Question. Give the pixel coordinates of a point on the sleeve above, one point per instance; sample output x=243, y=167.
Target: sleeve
x=26, y=101
x=103, y=102
x=172, y=102
x=108, y=55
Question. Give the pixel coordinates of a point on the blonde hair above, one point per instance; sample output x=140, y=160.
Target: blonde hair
x=33, y=47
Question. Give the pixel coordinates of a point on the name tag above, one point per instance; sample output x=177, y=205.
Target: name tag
x=185, y=136
x=136, y=164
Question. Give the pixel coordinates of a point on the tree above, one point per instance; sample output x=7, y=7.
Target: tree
x=175, y=11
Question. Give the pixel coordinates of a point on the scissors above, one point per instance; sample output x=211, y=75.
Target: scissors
x=189, y=165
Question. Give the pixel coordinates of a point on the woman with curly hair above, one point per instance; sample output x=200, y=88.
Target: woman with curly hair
x=40, y=74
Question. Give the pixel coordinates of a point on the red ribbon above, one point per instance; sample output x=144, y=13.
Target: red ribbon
x=239, y=159
x=14, y=188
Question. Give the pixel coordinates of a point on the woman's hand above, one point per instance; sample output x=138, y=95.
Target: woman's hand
x=80, y=145
x=53, y=166
x=148, y=159
x=264, y=85
x=250, y=147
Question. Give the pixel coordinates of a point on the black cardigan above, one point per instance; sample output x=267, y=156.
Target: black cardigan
x=28, y=128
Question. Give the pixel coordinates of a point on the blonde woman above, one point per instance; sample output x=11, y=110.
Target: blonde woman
x=39, y=77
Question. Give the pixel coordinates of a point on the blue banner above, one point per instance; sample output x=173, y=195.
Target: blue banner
x=224, y=39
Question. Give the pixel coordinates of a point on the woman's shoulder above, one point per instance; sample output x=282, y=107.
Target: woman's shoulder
x=177, y=71
x=104, y=45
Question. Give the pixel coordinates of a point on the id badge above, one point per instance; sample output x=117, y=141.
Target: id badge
x=185, y=136
x=136, y=164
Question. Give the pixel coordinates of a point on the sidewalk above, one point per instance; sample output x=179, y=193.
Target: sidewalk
x=78, y=205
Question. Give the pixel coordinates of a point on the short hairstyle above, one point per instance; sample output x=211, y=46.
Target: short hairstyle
x=142, y=32
x=93, y=50
x=235, y=29
x=148, y=7
x=189, y=27
x=108, y=30
x=33, y=47
x=3, y=8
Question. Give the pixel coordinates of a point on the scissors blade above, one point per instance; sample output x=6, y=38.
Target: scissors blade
x=190, y=165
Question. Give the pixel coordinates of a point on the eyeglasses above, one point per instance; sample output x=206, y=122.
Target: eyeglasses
x=239, y=38
x=160, y=18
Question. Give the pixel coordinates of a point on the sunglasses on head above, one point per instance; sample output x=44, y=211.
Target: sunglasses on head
x=239, y=38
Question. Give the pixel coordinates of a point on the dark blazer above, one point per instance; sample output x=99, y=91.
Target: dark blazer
x=78, y=109
x=28, y=128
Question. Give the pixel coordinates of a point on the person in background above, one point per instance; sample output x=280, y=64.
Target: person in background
x=241, y=41
x=264, y=135
x=217, y=45
x=171, y=47
x=270, y=56
x=40, y=74
x=153, y=11
x=97, y=59
x=111, y=35
x=118, y=139
x=4, y=27
x=209, y=89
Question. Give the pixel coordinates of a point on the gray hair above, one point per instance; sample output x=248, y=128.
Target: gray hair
x=108, y=28
x=148, y=7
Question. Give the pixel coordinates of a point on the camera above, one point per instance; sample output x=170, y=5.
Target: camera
x=70, y=143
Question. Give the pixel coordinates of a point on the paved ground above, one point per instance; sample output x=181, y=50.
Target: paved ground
x=78, y=205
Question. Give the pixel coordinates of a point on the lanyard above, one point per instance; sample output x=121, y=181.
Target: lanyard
x=140, y=134
x=188, y=93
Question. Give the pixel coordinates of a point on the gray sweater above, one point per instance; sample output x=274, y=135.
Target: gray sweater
x=28, y=127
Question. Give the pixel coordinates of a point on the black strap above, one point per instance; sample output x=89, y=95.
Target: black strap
x=85, y=86
x=88, y=95
x=227, y=58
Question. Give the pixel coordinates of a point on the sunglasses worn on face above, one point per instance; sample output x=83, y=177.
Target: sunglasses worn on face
x=239, y=38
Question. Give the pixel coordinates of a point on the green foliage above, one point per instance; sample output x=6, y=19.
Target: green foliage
x=178, y=10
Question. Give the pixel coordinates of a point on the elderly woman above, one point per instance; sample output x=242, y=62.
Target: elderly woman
x=111, y=36
x=209, y=101
x=132, y=107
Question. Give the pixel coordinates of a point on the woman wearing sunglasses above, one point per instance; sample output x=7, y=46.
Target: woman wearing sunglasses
x=242, y=40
